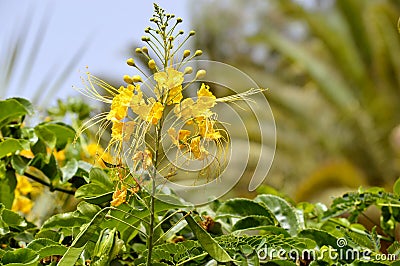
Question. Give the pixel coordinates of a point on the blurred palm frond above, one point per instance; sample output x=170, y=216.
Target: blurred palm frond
x=334, y=76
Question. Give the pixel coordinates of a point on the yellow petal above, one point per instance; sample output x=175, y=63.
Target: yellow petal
x=22, y=204
x=23, y=185
x=119, y=197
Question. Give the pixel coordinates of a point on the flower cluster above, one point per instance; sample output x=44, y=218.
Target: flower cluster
x=139, y=109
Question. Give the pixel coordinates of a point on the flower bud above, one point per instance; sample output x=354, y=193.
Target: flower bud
x=188, y=70
x=130, y=62
x=181, y=32
x=186, y=53
x=128, y=79
x=179, y=20
x=137, y=78
x=152, y=64
x=145, y=50
x=145, y=38
x=138, y=50
x=198, y=53
x=200, y=74
x=192, y=32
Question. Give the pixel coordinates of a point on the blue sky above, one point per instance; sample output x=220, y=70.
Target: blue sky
x=107, y=28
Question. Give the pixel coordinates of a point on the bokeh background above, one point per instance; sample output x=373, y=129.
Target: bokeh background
x=332, y=68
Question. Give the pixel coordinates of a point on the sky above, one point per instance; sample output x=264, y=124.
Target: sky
x=104, y=29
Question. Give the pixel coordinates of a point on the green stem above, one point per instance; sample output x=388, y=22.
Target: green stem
x=152, y=195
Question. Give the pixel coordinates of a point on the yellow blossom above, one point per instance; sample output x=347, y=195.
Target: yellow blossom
x=116, y=130
x=119, y=197
x=96, y=151
x=150, y=112
x=155, y=113
x=205, y=100
x=27, y=153
x=143, y=157
x=197, y=149
x=184, y=109
x=189, y=109
x=180, y=138
x=120, y=103
x=22, y=204
x=59, y=155
x=169, y=83
x=23, y=185
x=206, y=128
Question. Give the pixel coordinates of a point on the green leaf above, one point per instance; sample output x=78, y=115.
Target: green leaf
x=252, y=222
x=71, y=256
x=394, y=248
x=12, y=218
x=242, y=208
x=99, y=190
x=280, y=263
x=19, y=163
x=396, y=187
x=50, y=169
x=4, y=229
x=98, y=176
x=64, y=220
x=49, y=234
x=64, y=134
x=26, y=103
x=11, y=109
x=94, y=193
x=268, y=229
x=7, y=187
x=24, y=256
x=40, y=243
x=207, y=242
x=69, y=170
x=283, y=212
x=46, y=135
x=89, y=229
x=87, y=209
x=47, y=247
x=9, y=146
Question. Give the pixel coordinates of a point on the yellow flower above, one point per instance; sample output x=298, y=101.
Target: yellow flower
x=59, y=155
x=27, y=153
x=21, y=204
x=23, y=185
x=174, y=95
x=120, y=103
x=197, y=149
x=169, y=82
x=143, y=157
x=189, y=109
x=150, y=112
x=96, y=151
x=155, y=113
x=180, y=138
x=184, y=109
x=116, y=130
x=119, y=197
x=206, y=128
x=205, y=101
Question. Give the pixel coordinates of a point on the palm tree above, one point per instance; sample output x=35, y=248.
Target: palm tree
x=333, y=69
